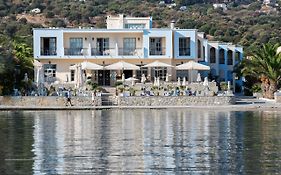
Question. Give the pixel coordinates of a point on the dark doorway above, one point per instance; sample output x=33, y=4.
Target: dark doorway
x=128, y=73
x=104, y=77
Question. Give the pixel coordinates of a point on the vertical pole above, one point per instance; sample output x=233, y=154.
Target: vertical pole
x=103, y=76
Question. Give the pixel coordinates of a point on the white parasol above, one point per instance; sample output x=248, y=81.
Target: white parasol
x=157, y=64
x=198, y=77
x=192, y=65
x=167, y=78
x=158, y=82
x=184, y=81
x=122, y=65
x=123, y=78
x=132, y=79
x=179, y=81
x=206, y=82
x=143, y=79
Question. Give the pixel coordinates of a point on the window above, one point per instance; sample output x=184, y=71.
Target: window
x=204, y=50
x=72, y=74
x=102, y=47
x=134, y=26
x=221, y=56
x=184, y=46
x=143, y=70
x=237, y=56
x=229, y=57
x=155, y=46
x=159, y=72
x=212, y=55
x=50, y=72
x=199, y=49
x=129, y=45
x=48, y=46
x=75, y=46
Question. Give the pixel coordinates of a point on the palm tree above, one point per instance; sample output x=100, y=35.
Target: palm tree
x=265, y=64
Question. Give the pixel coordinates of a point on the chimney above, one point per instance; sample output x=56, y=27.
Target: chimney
x=172, y=25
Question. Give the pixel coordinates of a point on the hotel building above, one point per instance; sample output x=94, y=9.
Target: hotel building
x=133, y=40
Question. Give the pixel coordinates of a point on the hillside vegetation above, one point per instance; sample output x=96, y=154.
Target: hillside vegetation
x=241, y=23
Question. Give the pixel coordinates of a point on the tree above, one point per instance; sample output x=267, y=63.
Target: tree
x=265, y=63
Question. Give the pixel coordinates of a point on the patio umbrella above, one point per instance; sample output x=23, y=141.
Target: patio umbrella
x=37, y=63
x=85, y=65
x=73, y=67
x=158, y=82
x=122, y=65
x=123, y=78
x=132, y=79
x=198, y=77
x=79, y=76
x=179, y=81
x=192, y=65
x=184, y=81
x=206, y=82
x=167, y=78
x=38, y=67
x=25, y=79
x=155, y=82
x=158, y=64
x=143, y=78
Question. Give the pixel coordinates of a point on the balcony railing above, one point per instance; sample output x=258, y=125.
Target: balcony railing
x=129, y=52
x=75, y=51
x=103, y=52
x=184, y=51
x=48, y=52
x=157, y=51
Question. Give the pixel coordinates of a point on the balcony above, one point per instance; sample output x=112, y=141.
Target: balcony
x=129, y=52
x=48, y=52
x=184, y=51
x=75, y=51
x=157, y=51
x=103, y=52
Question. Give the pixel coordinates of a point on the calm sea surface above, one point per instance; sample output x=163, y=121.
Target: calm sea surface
x=140, y=141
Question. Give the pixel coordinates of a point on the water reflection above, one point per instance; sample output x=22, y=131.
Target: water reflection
x=145, y=141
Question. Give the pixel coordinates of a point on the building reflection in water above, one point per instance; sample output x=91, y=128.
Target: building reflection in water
x=139, y=141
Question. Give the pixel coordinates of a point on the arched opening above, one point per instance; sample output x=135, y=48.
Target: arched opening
x=237, y=56
x=229, y=57
x=212, y=55
x=221, y=56
x=204, y=49
x=199, y=49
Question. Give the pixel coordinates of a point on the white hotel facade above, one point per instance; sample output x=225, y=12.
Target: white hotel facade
x=133, y=40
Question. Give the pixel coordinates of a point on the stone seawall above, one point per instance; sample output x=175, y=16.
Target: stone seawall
x=175, y=101
x=45, y=101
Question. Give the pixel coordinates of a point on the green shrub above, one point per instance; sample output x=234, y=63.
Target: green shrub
x=118, y=83
x=223, y=86
x=256, y=88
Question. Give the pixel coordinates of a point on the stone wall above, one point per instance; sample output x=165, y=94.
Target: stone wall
x=175, y=101
x=41, y=101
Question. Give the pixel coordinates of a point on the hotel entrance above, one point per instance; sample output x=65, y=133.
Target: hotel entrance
x=104, y=77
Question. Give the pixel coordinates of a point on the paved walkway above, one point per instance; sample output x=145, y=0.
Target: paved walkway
x=242, y=104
